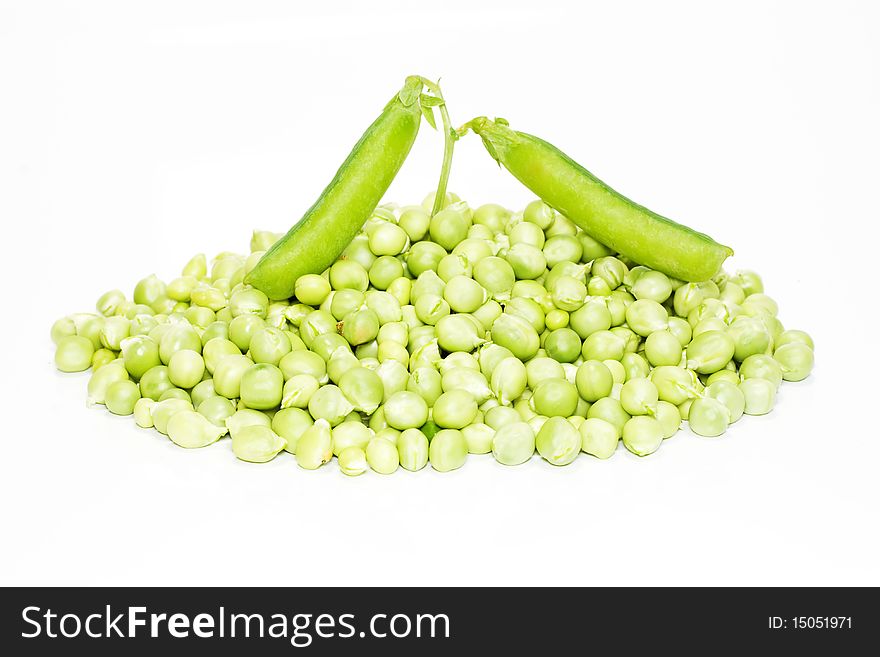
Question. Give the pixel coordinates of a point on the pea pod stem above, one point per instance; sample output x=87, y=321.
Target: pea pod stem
x=450, y=135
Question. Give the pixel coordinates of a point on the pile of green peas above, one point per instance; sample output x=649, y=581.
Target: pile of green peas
x=435, y=337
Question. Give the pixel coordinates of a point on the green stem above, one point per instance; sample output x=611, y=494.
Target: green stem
x=449, y=137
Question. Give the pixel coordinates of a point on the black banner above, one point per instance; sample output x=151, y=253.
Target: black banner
x=328, y=621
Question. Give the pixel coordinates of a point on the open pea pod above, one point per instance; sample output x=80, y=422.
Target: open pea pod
x=635, y=231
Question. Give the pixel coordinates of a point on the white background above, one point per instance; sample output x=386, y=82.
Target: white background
x=134, y=135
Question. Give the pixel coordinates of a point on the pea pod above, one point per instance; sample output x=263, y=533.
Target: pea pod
x=316, y=240
x=603, y=213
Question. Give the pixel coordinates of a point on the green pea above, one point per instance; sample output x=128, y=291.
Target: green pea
x=447, y=450
x=681, y=330
x=513, y=443
x=427, y=383
x=708, y=417
x=642, y=435
x=493, y=216
x=454, y=409
x=459, y=333
x=555, y=397
x=663, y=348
x=228, y=375
x=669, y=418
x=653, y=285
x=590, y=318
x=599, y=437
x=163, y=411
x=527, y=261
x=750, y=336
x=214, y=350
x=249, y=301
x=192, y=430
x=62, y=328
x=121, y=396
x=724, y=375
x=509, y=380
x=155, y=382
x=303, y=362
x=516, y=335
x=175, y=393
x=495, y=275
x=730, y=395
x=761, y=366
x=178, y=337
x=413, y=448
x=358, y=250
x=351, y=433
x=143, y=412
x=450, y=226
x=467, y=380
x=675, y=384
x=603, y=345
x=562, y=248
x=269, y=345
x=289, y=423
x=102, y=378
x=328, y=403
x=499, y=416
x=593, y=380
x=384, y=271
x=415, y=221
x=759, y=395
x=315, y=446
x=563, y=345
x=795, y=359
x=464, y=295
x=610, y=410
x=710, y=352
x=298, y=390
x=793, y=336
x=639, y=396
x=73, y=353
x=592, y=249
x=353, y=461
x=424, y=256
x=363, y=388
x=644, y=316
x=257, y=444
x=382, y=456
x=186, y=368
x=148, y=290
x=216, y=409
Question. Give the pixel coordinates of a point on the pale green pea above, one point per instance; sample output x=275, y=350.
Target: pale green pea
x=516, y=335
x=385, y=305
x=392, y=351
x=216, y=410
x=653, y=285
x=644, y=316
x=385, y=270
x=710, y=352
x=642, y=435
x=687, y=298
x=228, y=374
x=603, y=345
x=363, y=388
x=639, y=396
x=527, y=261
x=148, y=290
x=208, y=296
x=394, y=376
x=663, y=348
x=590, y=318
x=513, y=443
x=109, y=302
x=382, y=456
x=610, y=270
x=427, y=355
x=73, y=353
x=454, y=409
x=351, y=433
x=415, y=221
x=488, y=313
x=102, y=357
x=289, y=423
x=539, y=213
x=794, y=336
x=186, y=368
x=500, y=416
x=681, y=330
x=163, y=411
x=329, y=404
x=447, y=450
x=419, y=336
x=303, y=362
x=464, y=295
x=795, y=359
x=298, y=390
x=247, y=417
x=526, y=233
x=524, y=409
x=257, y=444
x=708, y=324
x=675, y=384
x=452, y=265
x=405, y=410
x=730, y=375
x=509, y=380
x=759, y=395
x=669, y=418
x=594, y=380
x=555, y=397
x=102, y=378
x=479, y=245
x=269, y=345
x=358, y=251
x=198, y=316
x=478, y=438
x=495, y=275
x=214, y=350
x=197, y=266
x=424, y=256
x=394, y=332
x=762, y=366
x=708, y=417
x=88, y=326
x=618, y=371
x=62, y=328
x=155, y=382
x=427, y=383
x=316, y=323
x=490, y=355
x=192, y=430
x=568, y=293
x=599, y=437
x=540, y=369
x=180, y=336
x=610, y=410
x=180, y=289
x=143, y=412
x=450, y=226
x=527, y=309
x=387, y=239
x=750, y=336
x=459, y=333
x=431, y=308
x=353, y=461
x=175, y=393
x=562, y=248
x=468, y=380
x=558, y=442
x=315, y=446
x=493, y=216
x=729, y=394
x=412, y=446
